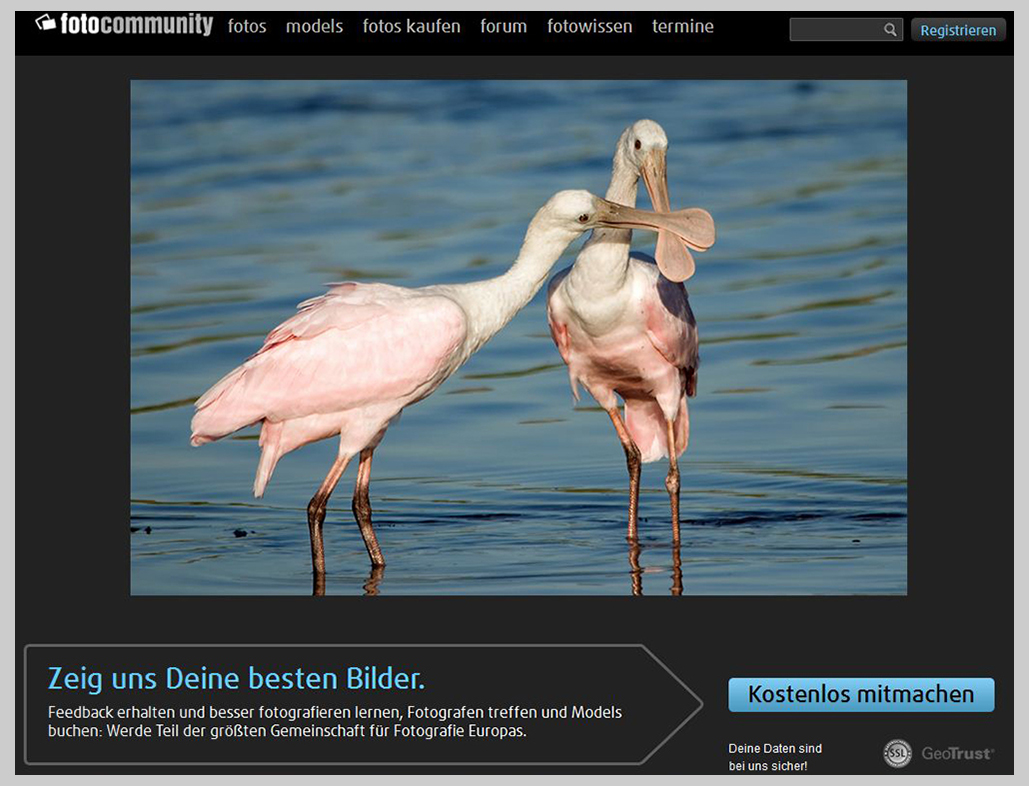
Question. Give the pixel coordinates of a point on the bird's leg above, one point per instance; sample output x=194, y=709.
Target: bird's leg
x=633, y=461
x=363, y=509
x=316, y=517
x=672, y=482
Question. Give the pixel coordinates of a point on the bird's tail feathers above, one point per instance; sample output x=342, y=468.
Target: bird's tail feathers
x=270, y=442
x=646, y=425
x=219, y=387
x=219, y=412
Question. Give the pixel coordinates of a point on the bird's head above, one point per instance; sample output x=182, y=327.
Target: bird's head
x=642, y=149
x=573, y=212
x=644, y=141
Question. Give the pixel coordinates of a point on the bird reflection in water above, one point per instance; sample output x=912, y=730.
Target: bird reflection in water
x=634, y=567
x=370, y=587
x=676, y=569
x=636, y=571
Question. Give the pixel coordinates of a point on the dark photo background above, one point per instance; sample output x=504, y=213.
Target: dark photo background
x=72, y=553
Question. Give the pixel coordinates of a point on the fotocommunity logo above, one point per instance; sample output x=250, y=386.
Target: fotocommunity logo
x=897, y=753
x=188, y=24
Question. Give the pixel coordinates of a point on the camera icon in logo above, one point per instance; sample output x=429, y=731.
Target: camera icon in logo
x=44, y=22
x=897, y=753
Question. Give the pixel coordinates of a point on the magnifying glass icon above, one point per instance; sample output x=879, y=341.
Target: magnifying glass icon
x=890, y=29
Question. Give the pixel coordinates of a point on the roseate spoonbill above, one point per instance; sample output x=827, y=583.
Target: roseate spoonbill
x=624, y=326
x=353, y=358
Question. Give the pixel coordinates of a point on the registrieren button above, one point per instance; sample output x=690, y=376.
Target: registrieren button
x=959, y=29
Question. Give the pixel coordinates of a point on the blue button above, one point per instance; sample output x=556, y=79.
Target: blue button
x=963, y=29
x=861, y=694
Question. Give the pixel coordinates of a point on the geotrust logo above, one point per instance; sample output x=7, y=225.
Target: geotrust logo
x=954, y=753
x=90, y=24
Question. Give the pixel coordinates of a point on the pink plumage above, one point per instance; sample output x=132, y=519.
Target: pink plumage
x=623, y=324
x=350, y=360
x=648, y=358
x=347, y=362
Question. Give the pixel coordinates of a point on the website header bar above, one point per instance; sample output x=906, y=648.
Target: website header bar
x=487, y=32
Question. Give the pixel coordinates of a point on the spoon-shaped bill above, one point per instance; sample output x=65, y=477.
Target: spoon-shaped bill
x=693, y=228
x=654, y=170
x=673, y=260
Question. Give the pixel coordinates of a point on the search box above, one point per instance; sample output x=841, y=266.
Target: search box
x=889, y=28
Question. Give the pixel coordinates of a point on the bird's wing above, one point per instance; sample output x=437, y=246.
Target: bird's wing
x=671, y=326
x=557, y=318
x=356, y=345
x=344, y=306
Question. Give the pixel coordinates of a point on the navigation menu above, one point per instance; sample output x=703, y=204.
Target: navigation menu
x=410, y=26
x=481, y=33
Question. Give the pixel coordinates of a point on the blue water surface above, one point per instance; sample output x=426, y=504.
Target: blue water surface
x=248, y=196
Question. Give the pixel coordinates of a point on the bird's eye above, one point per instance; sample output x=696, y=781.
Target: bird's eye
x=638, y=144
x=584, y=218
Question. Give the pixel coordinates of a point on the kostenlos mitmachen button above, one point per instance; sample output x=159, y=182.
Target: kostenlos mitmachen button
x=959, y=29
x=861, y=694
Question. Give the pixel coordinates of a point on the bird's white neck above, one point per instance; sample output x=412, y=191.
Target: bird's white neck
x=492, y=303
x=603, y=263
x=623, y=187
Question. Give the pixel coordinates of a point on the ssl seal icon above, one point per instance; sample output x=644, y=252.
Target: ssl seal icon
x=897, y=753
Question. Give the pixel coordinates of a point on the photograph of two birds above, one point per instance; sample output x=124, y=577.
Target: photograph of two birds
x=726, y=255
